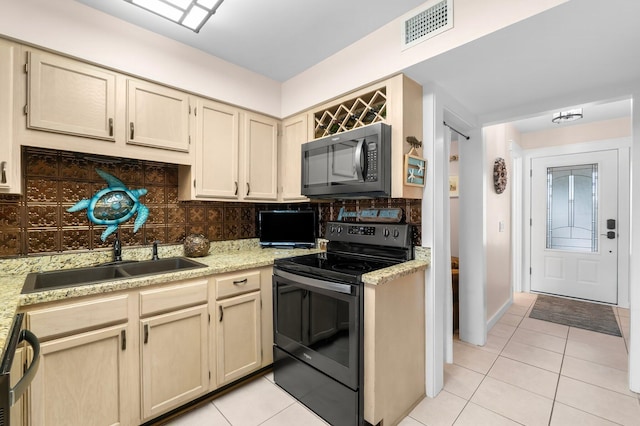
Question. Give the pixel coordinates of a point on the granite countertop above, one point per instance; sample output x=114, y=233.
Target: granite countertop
x=226, y=256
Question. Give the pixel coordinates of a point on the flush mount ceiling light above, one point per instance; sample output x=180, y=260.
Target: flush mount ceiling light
x=566, y=116
x=192, y=14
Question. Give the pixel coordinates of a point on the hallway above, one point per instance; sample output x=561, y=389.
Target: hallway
x=534, y=372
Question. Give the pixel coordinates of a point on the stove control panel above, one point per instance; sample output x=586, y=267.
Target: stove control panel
x=384, y=234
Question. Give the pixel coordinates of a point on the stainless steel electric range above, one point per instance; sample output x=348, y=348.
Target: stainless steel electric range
x=318, y=316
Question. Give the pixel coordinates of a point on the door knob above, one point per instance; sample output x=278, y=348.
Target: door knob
x=610, y=235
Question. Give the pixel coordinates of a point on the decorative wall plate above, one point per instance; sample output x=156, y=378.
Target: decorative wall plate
x=499, y=175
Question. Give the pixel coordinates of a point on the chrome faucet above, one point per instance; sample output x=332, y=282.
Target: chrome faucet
x=117, y=249
x=155, y=251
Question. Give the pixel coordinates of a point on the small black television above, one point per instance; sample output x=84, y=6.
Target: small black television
x=287, y=228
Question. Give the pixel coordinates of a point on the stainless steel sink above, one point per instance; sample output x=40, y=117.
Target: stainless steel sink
x=160, y=266
x=39, y=281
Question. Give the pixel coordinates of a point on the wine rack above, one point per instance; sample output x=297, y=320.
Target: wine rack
x=368, y=108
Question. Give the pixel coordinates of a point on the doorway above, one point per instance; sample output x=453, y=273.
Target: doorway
x=574, y=220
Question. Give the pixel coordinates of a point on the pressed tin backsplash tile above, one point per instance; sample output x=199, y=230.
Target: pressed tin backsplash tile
x=37, y=221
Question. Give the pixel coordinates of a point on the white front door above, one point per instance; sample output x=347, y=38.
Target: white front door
x=574, y=213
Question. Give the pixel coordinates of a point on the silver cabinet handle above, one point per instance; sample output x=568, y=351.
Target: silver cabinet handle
x=146, y=333
x=3, y=171
x=241, y=282
x=236, y=192
x=248, y=188
x=221, y=313
x=111, y=127
x=131, y=128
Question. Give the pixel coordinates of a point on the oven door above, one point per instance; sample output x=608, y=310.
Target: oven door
x=319, y=322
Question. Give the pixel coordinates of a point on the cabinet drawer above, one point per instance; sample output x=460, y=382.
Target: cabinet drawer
x=230, y=285
x=74, y=317
x=182, y=295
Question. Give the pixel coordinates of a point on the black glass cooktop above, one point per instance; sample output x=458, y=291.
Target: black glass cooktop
x=343, y=267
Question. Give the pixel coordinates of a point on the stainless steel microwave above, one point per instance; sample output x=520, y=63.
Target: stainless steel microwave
x=352, y=164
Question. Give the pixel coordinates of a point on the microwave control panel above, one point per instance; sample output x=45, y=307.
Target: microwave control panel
x=372, y=162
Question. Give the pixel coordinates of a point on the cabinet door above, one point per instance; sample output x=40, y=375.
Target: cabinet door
x=238, y=346
x=260, y=158
x=9, y=150
x=294, y=134
x=67, y=96
x=157, y=116
x=175, y=366
x=216, y=159
x=82, y=380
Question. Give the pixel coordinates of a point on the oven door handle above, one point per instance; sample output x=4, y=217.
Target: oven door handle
x=18, y=390
x=315, y=283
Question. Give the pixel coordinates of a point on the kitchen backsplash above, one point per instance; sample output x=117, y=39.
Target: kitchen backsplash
x=37, y=221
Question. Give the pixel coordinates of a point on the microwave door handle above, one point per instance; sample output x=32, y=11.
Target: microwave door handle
x=358, y=164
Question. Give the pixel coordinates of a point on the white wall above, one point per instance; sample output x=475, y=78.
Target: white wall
x=634, y=270
x=379, y=54
x=577, y=133
x=498, y=223
x=74, y=29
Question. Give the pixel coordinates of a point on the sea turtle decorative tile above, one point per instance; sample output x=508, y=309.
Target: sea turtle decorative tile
x=114, y=205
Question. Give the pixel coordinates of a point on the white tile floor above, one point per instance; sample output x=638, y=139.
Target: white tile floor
x=530, y=372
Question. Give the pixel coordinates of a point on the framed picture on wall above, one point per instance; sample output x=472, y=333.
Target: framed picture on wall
x=453, y=186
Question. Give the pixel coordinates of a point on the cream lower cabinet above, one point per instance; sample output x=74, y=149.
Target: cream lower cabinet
x=174, y=360
x=238, y=349
x=394, y=351
x=85, y=375
x=82, y=380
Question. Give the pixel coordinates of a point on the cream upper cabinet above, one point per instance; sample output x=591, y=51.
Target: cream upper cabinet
x=214, y=169
x=9, y=150
x=157, y=116
x=69, y=96
x=294, y=133
x=235, y=155
x=259, y=158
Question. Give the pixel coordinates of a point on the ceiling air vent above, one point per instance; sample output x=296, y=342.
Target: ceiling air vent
x=432, y=20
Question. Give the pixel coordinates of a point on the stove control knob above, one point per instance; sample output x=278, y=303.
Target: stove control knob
x=396, y=233
x=339, y=229
x=386, y=232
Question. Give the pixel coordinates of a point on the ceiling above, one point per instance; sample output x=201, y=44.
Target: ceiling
x=578, y=54
x=275, y=38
